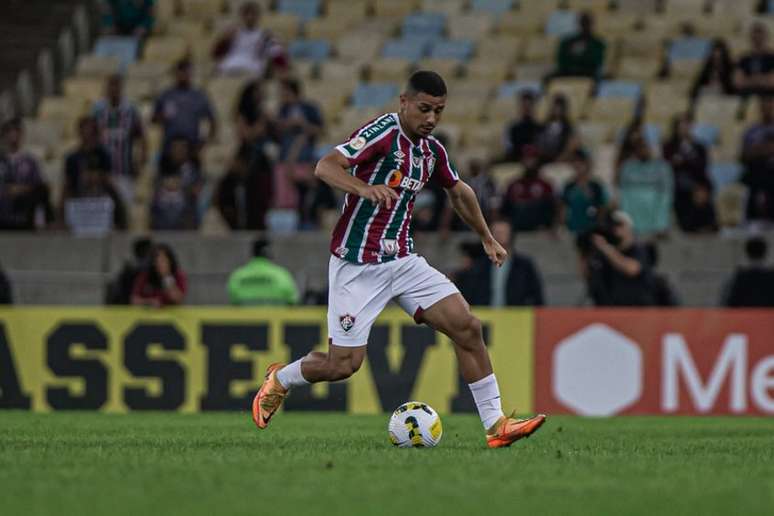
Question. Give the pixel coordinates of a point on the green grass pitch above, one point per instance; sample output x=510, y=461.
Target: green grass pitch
x=308, y=464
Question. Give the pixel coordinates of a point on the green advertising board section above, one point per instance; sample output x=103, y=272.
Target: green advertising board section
x=192, y=359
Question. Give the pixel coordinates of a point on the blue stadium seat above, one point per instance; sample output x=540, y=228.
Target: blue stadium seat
x=724, y=174
x=514, y=88
x=626, y=89
x=411, y=49
x=304, y=9
x=492, y=6
x=374, y=95
x=310, y=49
x=122, y=47
x=706, y=133
x=430, y=24
x=689, y=48
x=460, y=49
x=562, y=23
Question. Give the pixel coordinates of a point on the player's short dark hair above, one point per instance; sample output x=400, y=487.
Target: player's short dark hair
x=756, y=248
x=426, y=81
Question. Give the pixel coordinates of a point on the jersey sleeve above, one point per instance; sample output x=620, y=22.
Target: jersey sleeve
x=445, y=172
x=365, y=144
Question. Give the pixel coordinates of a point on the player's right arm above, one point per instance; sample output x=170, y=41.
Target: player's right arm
x=333, y=169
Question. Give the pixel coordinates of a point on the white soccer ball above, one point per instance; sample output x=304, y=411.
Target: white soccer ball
x=415, y=424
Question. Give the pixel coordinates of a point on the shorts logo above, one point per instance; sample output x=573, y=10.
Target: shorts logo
x=347, y=322
x=390, y=247
x=357, y=143
x=341, y=252
x=394, y=179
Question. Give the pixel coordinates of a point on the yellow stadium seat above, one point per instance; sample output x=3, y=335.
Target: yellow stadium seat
x=340, y=72
x=448, y=7
x=717, y=109
x=138, y=90
x=284, y=26
x=663, y=104
x=448, y=68
x=148, y=70
x=500, y=48
x=501, y=111
x=84, y=88
x=188, y=30
x=203, y=10
x=717, y=26
x=473, y=26
x=44, y=133
x=331, y=96
x=577, y=91
x=521, y=23
x=504, y=174
x=394, y=8
x=686, y=69
x=616, y=24
x=641, y=44
x=389, y=70
x=304, y=70
x=596, y=7
x=540, y=49
x=329, y=28
x=470, y=87
x=356, y=48
x=532, y=71
x=638, y=68
x=464, y=111
x=165, y=50
x=65, y=110
x=594, y=133
x=693, y=8
x=729, y=145
x=611, y=110
x=451, y=131
x=730, y=205
x=752, y=112
x=493, y=70
x=96, y=66
x=224, y=93
x=356, y=11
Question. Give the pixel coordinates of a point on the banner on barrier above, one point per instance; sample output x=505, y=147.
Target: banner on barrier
x=191, y=359
x=654, y=361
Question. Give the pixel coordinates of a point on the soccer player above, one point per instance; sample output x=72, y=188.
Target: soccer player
x=382, y=167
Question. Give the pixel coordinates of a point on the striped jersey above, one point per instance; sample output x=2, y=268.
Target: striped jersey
x=119, y=126
x=381, y=153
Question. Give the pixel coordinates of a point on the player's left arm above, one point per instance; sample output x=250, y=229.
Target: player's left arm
x=463, y=200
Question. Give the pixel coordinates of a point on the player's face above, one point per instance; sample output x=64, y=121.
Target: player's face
x=422, y=112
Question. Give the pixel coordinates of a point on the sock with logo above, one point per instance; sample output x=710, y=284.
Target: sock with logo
x=290, y=375
x=486, y=394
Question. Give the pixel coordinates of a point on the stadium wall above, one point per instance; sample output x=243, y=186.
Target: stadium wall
x=587, y=362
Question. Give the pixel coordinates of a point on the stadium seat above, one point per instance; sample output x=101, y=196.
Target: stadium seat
x=562, y=23
x=224, y=92
x=464, y=111
x=63, y=110
x=496, y=7
x=354, y=11
x=188, y=30
x=426, y=24
x=202, y=10
x=388, y=69
x=593, y=134
x=685, y=8
x=91, y=65
x=285, y=26
x=394, y=8
x=491, y=70
x=730, y=203
x=305, y=9
x=611, y=109
x=374, y=95
x=46, y=134
x=447, y=7
x=356, y=49
x=460, y=49
x=638, y=68
x=513, y=89
x=123, y=48
x=724, y=174
x=500, y=48
x=540, y=49
x=408, y=49
x=706, y=134
x=641, y=7
x=717, y=109
x=521, y=23
x=328, y=28
x=309, y=49
x=466, y=87
x=447, y=68
x=595, y=6
x=616, y=24
x=685, y=69
x=641, y=44
x=504, y=174
x=577, y=91
x=167, y=50
x=87, y=89
x=532, y=71
x=692, y=49
x=352, y=118
x=472, y=26
x=625, y=89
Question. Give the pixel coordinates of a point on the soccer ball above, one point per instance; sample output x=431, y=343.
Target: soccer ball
x=415, y=424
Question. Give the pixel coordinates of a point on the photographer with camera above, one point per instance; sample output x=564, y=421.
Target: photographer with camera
x=616, y=267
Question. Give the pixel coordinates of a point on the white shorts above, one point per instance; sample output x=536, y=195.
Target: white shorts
x=358, y=293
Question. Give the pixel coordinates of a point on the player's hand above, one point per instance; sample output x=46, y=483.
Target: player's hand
x=494, y=251
x=382, y=195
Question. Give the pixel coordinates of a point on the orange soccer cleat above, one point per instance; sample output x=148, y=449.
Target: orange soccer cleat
x=269, y=397
x=508, y=430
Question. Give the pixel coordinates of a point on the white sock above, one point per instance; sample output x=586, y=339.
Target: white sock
x=486, y=394
x=290, y=375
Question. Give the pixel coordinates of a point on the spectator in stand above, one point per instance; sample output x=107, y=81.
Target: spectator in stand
x=755, y=70
x=515, y=283
x=757, y=156
x=582, y=54
x=24, y=196
x=525, y=130
x=250, y=49
x=6, y=293
x=557, y=140
x=717, y=73
x=299, y=123
x=128, y=17
x=175, y=205
x=255, y=126
x=753, y=285
x=529, y=202
x=692, y=189
x=181, y=109
x=480, y=180
x=663, y=292
x=87, y=171
x=122, y=132
x=163, y=283
x=645, y=186
x=262, y=282
x=616, y=267
x=119, y=291
x=585, y=198
x=244, y=193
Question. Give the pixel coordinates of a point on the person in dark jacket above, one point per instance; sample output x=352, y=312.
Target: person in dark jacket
x=119, y=290
x=516, y=283
x=752, y=285
x=6, y=294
